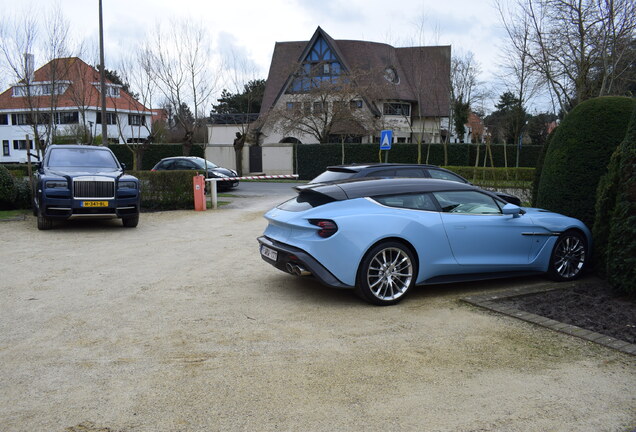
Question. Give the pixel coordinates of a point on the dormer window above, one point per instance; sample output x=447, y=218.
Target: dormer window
x=112, y=90
x=45, y=88
x=390, y=74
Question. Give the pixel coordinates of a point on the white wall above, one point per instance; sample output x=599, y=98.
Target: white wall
x=277, y=158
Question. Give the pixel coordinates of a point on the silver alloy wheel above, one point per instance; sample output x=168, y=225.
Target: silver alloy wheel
x=389, y=274
x=569, y=256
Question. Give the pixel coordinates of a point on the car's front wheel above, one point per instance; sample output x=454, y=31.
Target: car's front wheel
x=130, y=222
x=44, y=223
x=387, y=272
x=569, y=256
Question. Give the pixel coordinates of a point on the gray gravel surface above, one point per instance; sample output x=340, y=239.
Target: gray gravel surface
x=178, y=325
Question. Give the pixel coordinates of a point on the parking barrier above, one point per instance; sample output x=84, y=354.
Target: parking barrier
x=214, y=180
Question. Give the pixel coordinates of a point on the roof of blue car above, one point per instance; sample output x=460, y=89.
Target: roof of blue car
x=360, y=188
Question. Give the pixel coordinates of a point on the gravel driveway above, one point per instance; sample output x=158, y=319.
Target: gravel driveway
x=178, y=325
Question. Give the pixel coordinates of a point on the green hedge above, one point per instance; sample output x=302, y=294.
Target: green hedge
x=313, y=159
x=578, y=155
x=153, y=154
x=165, y=190
x=615, y=224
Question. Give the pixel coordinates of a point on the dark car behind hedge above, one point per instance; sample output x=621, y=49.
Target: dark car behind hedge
x=79, y=181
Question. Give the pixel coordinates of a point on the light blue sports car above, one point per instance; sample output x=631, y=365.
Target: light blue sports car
x=382, y=237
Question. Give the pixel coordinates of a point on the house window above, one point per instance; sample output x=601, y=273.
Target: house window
x=293, y=106
x=136, y=120
x=6, y=151
x=21, y=119
x=111, y=118
x=21, y=144
x=320, y=66
x=355, y=104
x=71, y=117
x=400, y=109
x=4, y=119
x=319, y=107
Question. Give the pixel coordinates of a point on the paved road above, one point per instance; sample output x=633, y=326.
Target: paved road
x=264, y=189
x=178, y=325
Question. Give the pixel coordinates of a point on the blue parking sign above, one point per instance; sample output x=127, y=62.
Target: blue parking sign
x=386, y=139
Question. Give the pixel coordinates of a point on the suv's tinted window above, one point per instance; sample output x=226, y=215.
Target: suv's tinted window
x=409, y=201
x=470, y=202
x=445, y=175
x=410, y=172
x=388, y=173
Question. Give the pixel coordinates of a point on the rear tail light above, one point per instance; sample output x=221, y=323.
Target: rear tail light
x=327, y=227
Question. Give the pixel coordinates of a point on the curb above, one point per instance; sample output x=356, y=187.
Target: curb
x=489, y=301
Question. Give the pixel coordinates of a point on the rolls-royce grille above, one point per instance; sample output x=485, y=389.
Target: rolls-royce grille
x=94, y=188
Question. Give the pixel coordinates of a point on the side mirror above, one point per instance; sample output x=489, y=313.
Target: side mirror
x=511, y=209
x=123, y=167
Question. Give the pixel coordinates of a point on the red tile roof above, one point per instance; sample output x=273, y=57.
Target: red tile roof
x=81, y=91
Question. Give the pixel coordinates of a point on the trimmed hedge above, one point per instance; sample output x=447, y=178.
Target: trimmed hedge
x=578, y=155
x=8, y=190
x=165, y=190
x=615, y=224
x=153, y=154
x=313, y=159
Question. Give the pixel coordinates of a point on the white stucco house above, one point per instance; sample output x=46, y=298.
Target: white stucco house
x=62, y=99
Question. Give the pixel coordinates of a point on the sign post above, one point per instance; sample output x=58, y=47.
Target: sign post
x=386, y=139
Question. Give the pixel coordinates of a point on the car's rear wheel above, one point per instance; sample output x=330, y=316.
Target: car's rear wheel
x=130, y=222
x=44, y=223
x=387, y=272
x=569, y=256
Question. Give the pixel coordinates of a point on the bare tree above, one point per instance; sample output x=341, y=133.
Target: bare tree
x=324, y=109
x=181, y=68
x=580, y=48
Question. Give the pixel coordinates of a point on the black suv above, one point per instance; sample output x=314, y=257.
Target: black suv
x=389, y=170
x=80, y=181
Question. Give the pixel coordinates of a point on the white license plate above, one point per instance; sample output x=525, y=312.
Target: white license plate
x=269, y=253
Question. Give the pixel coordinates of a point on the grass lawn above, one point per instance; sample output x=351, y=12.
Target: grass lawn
x=13, y=214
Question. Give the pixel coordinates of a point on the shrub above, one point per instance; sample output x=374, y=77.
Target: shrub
x=615, y=225
x=578, y=155
x=8, y=190
x=165, y=190
x=23, y=198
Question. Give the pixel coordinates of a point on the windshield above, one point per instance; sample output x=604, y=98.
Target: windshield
x=200, y=163
x=82, y=157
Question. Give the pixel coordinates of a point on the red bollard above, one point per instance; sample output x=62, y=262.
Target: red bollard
x=199, y=192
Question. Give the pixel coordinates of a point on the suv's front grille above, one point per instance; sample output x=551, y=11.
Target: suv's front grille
x=93, y=187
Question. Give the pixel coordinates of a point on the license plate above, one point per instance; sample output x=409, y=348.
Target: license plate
x=269, y=253
x=94, y=203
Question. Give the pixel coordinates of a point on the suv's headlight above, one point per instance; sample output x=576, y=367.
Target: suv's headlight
x=56, y=184
x=127, y=185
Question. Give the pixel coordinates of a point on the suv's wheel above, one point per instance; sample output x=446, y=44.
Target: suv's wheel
x=569, y=256
x=386, y=273
x=130, y=222
x=44, y=223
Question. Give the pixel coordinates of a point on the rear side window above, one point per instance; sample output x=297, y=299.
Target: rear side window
x=408, y=201
x=305, y=201
x=331, y=176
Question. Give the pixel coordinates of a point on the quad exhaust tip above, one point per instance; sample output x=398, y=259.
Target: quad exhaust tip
x=297, y=270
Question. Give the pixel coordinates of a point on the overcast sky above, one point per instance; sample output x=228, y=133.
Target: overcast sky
x=251, y=27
